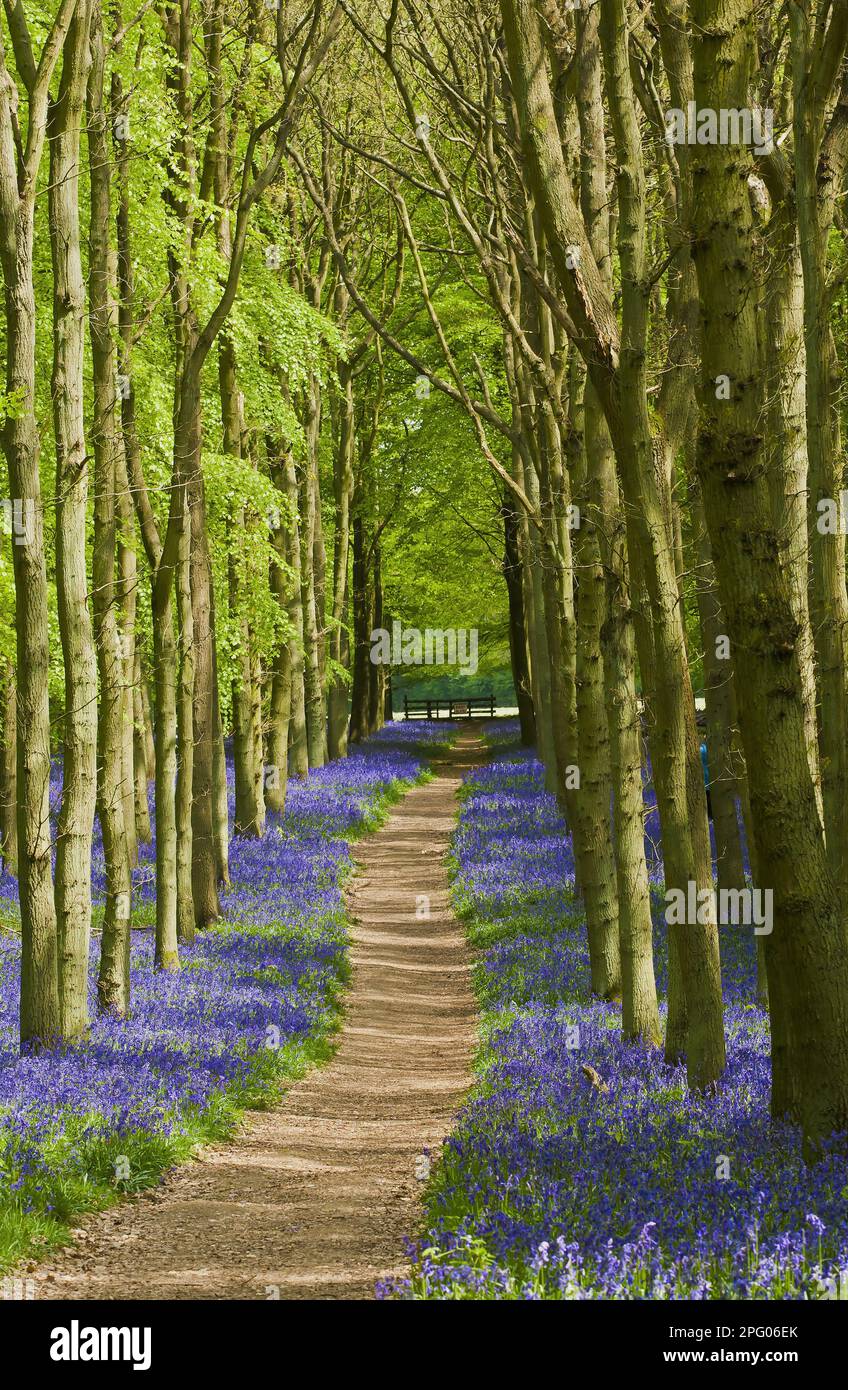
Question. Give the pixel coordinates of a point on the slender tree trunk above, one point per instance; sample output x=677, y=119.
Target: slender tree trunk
x=313, y=694
x=337, y=699
x=247, y=818
x=138, y=739
x=161, y=754
x=278, y=732
x=676, y=408
x=186, y=485
x=640, y=1014
x=606, y=546
x=140, y=767
x=560, y=685
x=136, y=829
x=786, y=433
x=298, y=751
x=319, y=570
x=529, y=604
x=9, y=775
x=542, y=660
x=165, y=658
x=376, y=674
x=721, y=710
x=279, y=714
x=148, y=731
x=257, y=727
x=246, y=810
x=39, y=1011
x=204, y=860
x=79, y=763
x=220, y=799
x=598, y=874
x=577, y=710
x=819, y=176
x=518, y=648
x=113, y=984
x=185, y=738
x=362, y=627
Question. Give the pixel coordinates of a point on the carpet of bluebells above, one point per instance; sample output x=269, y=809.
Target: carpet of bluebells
x=254, y=1002
x=551, y=1188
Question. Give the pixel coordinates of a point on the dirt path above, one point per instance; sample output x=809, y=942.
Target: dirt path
x=315, y=1198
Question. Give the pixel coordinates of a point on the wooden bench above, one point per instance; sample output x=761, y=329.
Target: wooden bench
x=450, y=707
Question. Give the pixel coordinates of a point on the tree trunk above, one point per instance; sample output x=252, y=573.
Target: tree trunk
x=319, y=570
x=39, y=1012
x=310, y=520
x=220, y=799
x=247, y=818
x=258, y=732
x=113, y=983
x=721, y=710
x=640, y=1014
x=147, y=729
x=138, y=732
x=542, y=661
x=246, y=811
x=298, y=751
x=601, y=515
x=818, y=183
x=362, y=627
x=161, y=750
x=137, y=828
x=9, y=775
x=165, y=658
x=592, y=820
x=518, y=648
x=185, y=737
x=279, y=715
x=204, y=856
x=337, y=699
x=376, y=673
x=525, y=474
x=79, y=763
x=141, y=776
x=786, y=432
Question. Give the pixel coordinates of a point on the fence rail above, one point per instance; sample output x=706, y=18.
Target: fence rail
x=457, y=707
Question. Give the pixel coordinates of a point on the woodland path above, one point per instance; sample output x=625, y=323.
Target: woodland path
x=314, y=1198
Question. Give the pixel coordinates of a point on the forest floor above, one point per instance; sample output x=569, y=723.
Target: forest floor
x=316, y=1197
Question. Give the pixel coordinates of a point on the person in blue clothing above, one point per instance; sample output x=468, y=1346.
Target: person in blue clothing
x=705, y=765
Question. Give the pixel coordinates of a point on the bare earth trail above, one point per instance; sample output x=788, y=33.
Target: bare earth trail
x=314, y=1198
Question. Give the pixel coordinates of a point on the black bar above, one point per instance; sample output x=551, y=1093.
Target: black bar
x=207, y=1340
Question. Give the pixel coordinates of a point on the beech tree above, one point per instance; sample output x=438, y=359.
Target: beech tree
x=26, y=92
